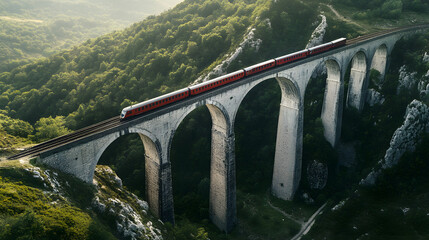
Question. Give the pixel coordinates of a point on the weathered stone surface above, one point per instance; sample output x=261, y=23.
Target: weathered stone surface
x=407, y=80
x=318, y=33
x=404, y=139
x=425, y=57
x=307, y=199
x=407, y=136
x=317, y=174
x=374, y=98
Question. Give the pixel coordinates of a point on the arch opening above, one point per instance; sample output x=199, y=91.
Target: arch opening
x=207, y=152
x=255, y=126
x=357, y=81
x=255, y=130
x=135, y=159
x=321, y=101
x=190, y=165
x=379, y=64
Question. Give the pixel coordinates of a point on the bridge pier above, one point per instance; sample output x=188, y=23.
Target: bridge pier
x=358, y=82
x=333, y=102
x=288, y=153
x=379, y=61
x=222, y=209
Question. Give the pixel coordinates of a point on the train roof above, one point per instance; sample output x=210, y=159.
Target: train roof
x=319, y=46
x=292, y=54
x=141, y=104
x=259, y=64
x=338, y=40
x=215, y=79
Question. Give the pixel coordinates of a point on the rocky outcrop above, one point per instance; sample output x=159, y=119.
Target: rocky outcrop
x=404, y=139
x=318, y=33
x=426, y=57
x=130, y=213
x=407, y=80
x=374, y=98
x=249, y=41
x=407, y=136
x=317, y=175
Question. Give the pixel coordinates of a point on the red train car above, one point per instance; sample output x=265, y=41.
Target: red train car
x=154, y=103
x=320, y=48
x=260, y=67
x=216, y=82
x=222, y=80
x=291, y=57
x=339, y=42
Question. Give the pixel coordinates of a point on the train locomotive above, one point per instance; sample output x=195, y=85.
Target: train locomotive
x=181, y=94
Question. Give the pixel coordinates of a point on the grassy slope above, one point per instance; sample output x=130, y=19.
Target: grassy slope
x=31, y=207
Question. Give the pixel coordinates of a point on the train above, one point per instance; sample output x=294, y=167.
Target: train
x=159, y=102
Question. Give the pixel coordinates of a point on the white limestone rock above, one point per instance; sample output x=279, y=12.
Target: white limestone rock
x=339, y=205
x=129, y=214
x=318, y=33
x=407, y=136
x=404, y=139
x=407, y=80
x=423, y=86
x=374, y=98
x=249, y=40
x=307, y=199
x=405, y=210
x=371, y=178
x=317, y=174
x=426, y=57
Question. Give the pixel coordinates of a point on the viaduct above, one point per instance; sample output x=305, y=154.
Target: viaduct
x=80, y=156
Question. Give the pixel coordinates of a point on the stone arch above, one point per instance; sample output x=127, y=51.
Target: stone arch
x=288, y=152
x=222, y=209
x=289, y=89
x=152, y=163
x=379, y=60
x=358, y=81
x=217, y=111
x=332, y=102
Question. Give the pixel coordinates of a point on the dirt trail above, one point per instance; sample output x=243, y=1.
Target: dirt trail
x=341, y=17
x=300, y=222
x=305, y=225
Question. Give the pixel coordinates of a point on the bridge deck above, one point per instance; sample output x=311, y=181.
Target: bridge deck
x=114, y=123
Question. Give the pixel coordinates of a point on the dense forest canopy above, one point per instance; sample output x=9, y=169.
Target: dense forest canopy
x=32, y=29
x=93, y=81
x=158, y=55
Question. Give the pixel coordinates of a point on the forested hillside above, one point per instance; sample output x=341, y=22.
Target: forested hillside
x=95, y=80
x=31, y=29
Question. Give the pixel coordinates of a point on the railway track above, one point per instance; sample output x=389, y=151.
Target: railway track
x=114, y=122
x=59, y=141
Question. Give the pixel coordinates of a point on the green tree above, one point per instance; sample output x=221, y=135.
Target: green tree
x=47, y=128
